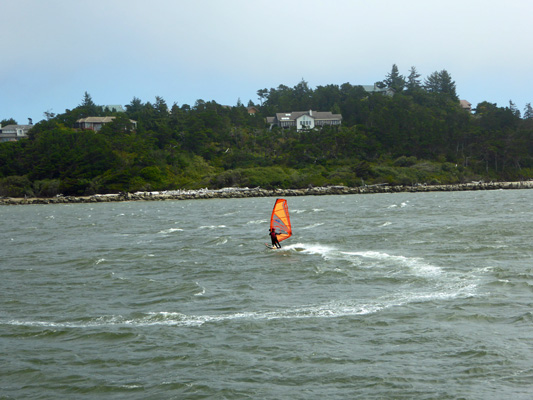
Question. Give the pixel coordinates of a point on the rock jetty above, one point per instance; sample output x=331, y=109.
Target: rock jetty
x=227, y=193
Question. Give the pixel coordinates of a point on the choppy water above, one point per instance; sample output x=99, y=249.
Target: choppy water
x=390, y=296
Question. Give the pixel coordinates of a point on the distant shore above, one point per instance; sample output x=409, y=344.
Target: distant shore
x=227, y=193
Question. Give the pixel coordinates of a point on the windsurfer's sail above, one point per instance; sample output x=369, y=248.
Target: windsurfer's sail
x=280, y=220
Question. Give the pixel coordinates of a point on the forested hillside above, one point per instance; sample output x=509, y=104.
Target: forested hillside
x=418, y=135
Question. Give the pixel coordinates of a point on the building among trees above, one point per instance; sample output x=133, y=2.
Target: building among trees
x=305, y=119
x=96, y=123
x=12, y=133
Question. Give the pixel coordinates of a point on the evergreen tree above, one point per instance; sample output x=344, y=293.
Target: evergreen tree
x=6, y=122
x=134, y=109
x=394, y=80
x=413, y=81
x=441, y=83
x=88, y=108
x=514, y=109
x=87, y=101
x=49, y=115
x=161, y=107
x=528, y=111
x=448, y=85
x=302, y=96
x=262, y=94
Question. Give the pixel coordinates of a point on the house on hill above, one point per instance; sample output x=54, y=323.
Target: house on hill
x=96, y=123
x=466, y=105
x=305, y=119
x=376, y=89
x=252, y=110
x=12, y=133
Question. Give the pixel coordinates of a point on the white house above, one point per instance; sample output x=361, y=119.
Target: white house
x=305, y=119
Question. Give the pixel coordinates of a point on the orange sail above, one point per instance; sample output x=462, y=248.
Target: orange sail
x=280, y=220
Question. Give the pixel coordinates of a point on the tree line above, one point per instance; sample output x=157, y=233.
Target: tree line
x=418, y=133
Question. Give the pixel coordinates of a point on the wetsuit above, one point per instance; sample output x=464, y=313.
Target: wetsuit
x=274, y=238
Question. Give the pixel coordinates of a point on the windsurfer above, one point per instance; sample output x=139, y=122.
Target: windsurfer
x=274, y=238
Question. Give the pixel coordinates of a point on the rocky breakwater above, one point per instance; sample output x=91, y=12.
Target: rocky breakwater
x=227, y=193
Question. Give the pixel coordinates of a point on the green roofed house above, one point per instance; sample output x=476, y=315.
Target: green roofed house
x=305, y=119
x=376, y=89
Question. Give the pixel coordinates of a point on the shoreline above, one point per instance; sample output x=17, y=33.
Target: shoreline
x=228, y=193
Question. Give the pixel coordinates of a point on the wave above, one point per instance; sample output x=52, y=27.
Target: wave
x=171, y=230
x=402, y=205
x=258, y=221
x=312, y=226
x=221, y=241
x=212, y=226
x=319, y=249
x=180, y=319
x=334, y=309
x=415, y=264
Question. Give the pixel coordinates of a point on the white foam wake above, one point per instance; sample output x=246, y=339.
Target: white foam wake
x=417, y=265
x=334, y=309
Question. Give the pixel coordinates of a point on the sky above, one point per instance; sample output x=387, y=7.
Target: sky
x=53, y=51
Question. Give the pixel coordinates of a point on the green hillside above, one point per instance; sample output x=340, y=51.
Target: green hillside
x=419, y=135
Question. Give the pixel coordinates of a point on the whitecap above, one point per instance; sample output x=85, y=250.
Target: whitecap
x=212, y=226
x=171, y=230
x=258, y=221
x=221, y=241
x=417, y=265
x=313, y=226
x=319, y=249
x=201, y=292
x=333, y=309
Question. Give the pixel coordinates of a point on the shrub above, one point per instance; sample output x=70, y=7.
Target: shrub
x=16, y=186
x=404, y=161
x=46, y=188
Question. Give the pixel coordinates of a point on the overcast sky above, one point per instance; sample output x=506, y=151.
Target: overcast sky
x=53, y=51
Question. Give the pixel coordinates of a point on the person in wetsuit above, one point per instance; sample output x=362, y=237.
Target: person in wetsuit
x=274, y=238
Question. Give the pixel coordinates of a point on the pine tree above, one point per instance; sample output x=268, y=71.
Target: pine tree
x=528, y=111
x=394, y=80
x=88, y=107
x=441, y=83
x=514, y=109
x=413, y=81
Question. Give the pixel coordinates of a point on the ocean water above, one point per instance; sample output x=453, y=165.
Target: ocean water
x=385, y=296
